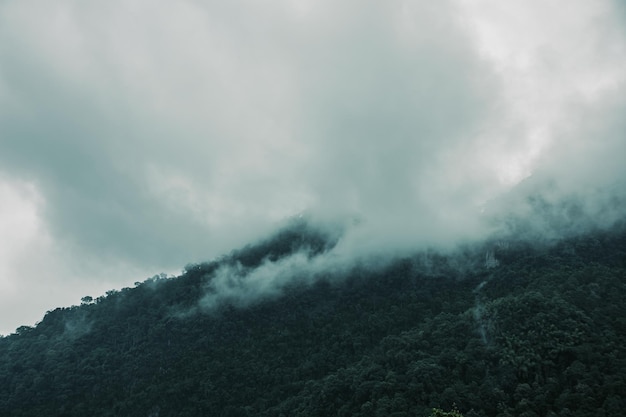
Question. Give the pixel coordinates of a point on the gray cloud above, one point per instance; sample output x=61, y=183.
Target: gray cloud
x=155, y=134
x=143, y=138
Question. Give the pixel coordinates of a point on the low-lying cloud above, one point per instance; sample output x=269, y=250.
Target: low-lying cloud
x=152, y=134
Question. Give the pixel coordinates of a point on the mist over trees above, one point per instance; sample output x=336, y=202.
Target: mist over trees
x=505, y=328
x=123, y=148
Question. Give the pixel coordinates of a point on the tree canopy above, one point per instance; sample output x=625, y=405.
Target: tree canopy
x=542, y=333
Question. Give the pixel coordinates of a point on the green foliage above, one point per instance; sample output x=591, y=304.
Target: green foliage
x=438, y=412
x=542, y=334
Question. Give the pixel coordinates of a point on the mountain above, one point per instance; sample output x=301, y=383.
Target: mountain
x=507, y=328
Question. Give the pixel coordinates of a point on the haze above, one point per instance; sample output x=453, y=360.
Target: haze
x=136, y=137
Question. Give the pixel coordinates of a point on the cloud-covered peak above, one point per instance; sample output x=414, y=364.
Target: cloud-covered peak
x=156, y=134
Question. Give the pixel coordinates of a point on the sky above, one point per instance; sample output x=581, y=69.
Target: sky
x=139, y=136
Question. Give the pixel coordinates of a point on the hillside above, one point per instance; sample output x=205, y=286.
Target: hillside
x=508, y=329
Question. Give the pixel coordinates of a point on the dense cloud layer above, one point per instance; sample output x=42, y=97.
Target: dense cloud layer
x=138, y=136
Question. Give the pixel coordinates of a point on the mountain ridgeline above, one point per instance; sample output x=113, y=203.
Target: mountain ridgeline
x=508, y=329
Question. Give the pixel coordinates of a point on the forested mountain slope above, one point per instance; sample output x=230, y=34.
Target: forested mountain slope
x=521, y=330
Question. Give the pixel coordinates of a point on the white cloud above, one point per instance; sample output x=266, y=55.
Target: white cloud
x=19, y=226
x=552, y=57
x=159, y=133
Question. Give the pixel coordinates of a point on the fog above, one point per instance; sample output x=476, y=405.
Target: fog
x=138, y=137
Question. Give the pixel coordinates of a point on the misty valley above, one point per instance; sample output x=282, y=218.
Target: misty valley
x=510, y=327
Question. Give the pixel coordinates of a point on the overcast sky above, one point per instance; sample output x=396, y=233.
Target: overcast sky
x=139, y=136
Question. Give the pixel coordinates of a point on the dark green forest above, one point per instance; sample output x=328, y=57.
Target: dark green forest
x=510, y=328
